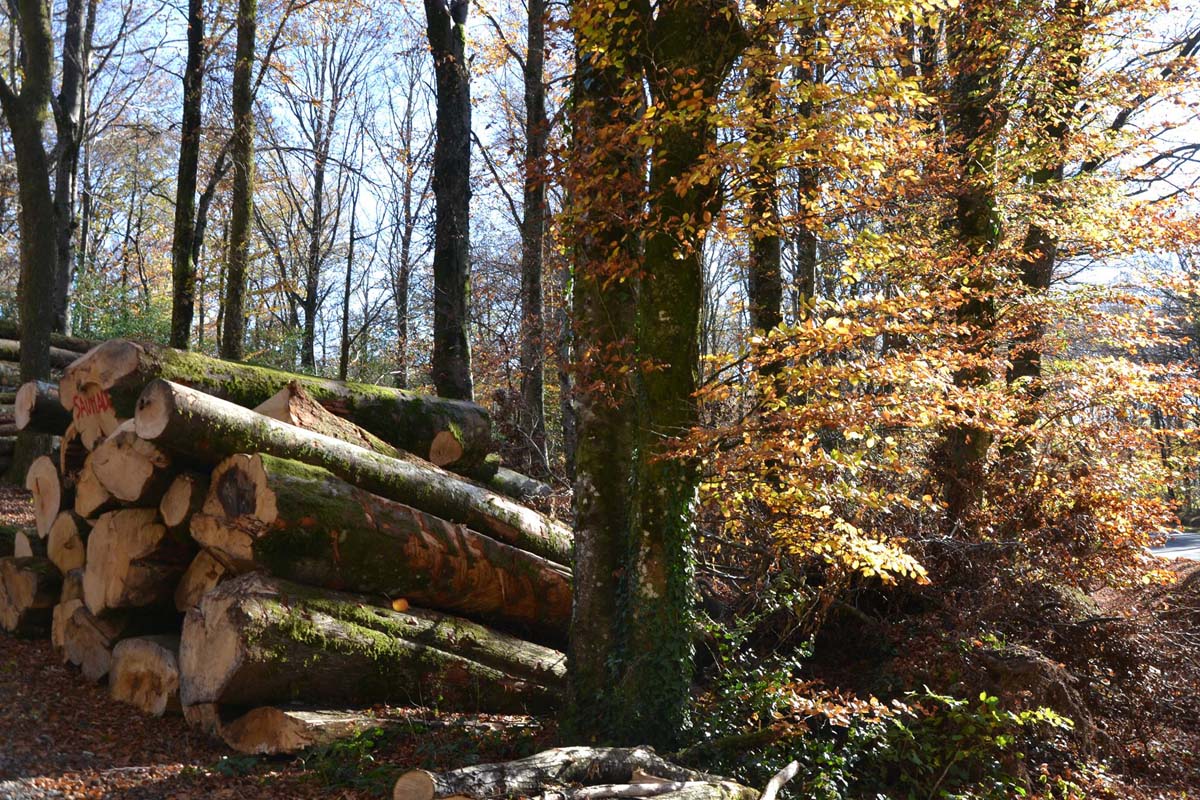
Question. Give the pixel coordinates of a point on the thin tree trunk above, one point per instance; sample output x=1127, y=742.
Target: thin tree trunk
x=451, y=360
x=532, y=421
x=234, y=333
x=183, y=263
x=344, y=358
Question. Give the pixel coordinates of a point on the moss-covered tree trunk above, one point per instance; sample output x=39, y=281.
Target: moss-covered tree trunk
x=606, y=194
x=233, y=333
x=302, y=523
x=451, y=360
x=183, y=266
x=256, y=640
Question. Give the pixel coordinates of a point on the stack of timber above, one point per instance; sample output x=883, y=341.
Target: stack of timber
x=224, y=541
x=13, y=405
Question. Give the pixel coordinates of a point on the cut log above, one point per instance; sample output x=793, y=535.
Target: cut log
x=10, y=375
x=559, y=767
x=270, y=730
x=29, y=590
x=67, y=544
x=91, y=498
x=27, y=544
x=132, y=561
x=293, y=405
x=12, y=330
x=59, y=618
x=10, y=350
x=208, y=718
x=92, y=414
x=240, y=646
x=37, y=408
x=669, y=790
x=517, y=486
x=206, y=571
x=207, y=428
x=409, y=420
x=145, y=674
x=301, y=523
x=88, y=639
x=72, y=587
x=183, y=498
x=49, y=495
x=130, y=468
x=71, y=455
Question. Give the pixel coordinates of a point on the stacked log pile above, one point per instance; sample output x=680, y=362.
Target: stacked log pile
x=218, y=539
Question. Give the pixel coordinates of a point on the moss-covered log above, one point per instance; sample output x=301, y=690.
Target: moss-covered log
x=556, y=768
x=37, y=407
x=451, y=433
x=207, y=428
x=304, y=524
x=256, y=640
x=29, y=590
x=517, y=486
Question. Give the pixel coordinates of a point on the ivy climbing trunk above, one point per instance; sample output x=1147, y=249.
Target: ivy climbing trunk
x=183, y=264
x=233, y=333
x=451, y=359
x=606, y=191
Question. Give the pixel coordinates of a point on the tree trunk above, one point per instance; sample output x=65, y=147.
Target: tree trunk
x=977, y=65
x=234, y=333
x=29, y=590
x=606, y=193
x=236, y=642
x=210, y=429
x=145, y=674
x=532, y=420
x=76, y=345
x=301, y=523
x=557, y=768
x=451, y=360
x=131, y=561
x=450, y=433
x=183, y=265
x=60, y=357
x=764, y=267
x=69, y=117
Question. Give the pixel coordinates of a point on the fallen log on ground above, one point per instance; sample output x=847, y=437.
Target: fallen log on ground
x=145, y=673
x=50, y=496
x=29, y=590
x=87, y=639
x=236, y=641
x=271, y=730
x=37, y=407
x=559, y=767
x=132, y=561
x=302, y=523
x=207, y=428
x=450, y=433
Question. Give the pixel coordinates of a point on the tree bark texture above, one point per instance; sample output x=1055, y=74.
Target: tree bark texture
x=183, y=265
